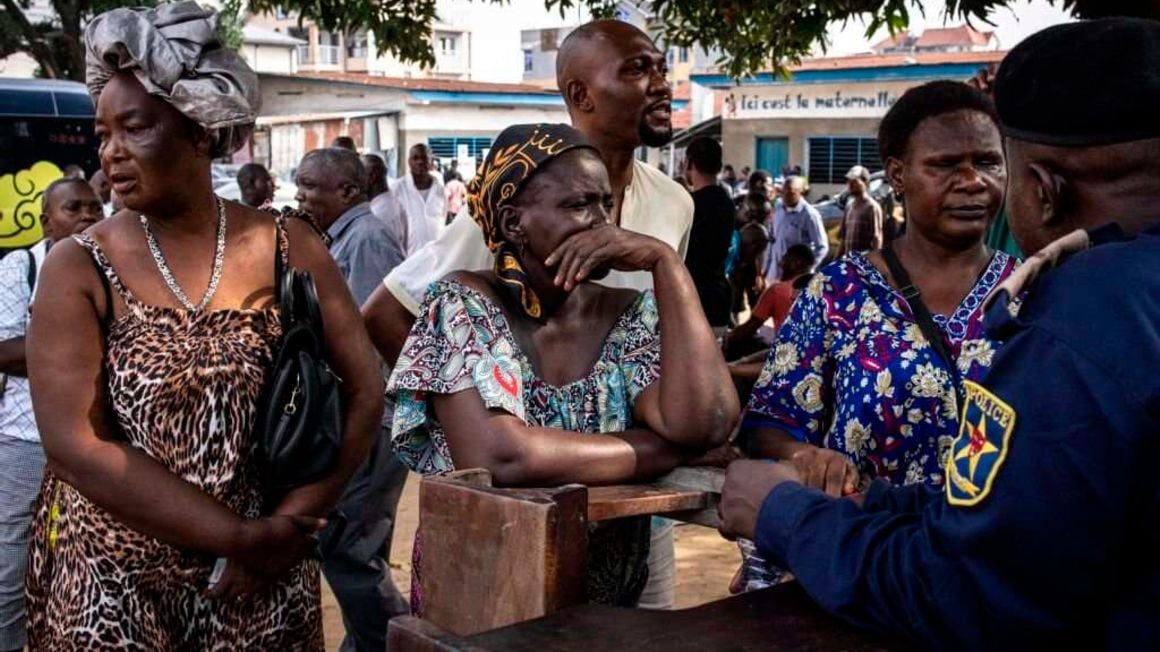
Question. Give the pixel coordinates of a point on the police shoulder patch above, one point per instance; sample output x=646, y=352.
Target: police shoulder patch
x=980, y=448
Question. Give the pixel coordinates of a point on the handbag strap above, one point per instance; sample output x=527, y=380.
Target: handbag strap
x=281, y=247
x=913, y=296
x=31, y=273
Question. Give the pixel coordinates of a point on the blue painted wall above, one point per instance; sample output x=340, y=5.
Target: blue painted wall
x=888, y=73
x=521, y=99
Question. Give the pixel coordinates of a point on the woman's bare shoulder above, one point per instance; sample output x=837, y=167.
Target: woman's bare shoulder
x=115, y=228
x=482, y=281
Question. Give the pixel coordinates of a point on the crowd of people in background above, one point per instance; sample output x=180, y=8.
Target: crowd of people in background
x=569, y=314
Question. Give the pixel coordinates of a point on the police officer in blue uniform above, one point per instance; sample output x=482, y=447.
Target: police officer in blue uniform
x=1047, y=531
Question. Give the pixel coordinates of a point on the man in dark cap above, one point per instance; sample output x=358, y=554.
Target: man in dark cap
x=1044, y=535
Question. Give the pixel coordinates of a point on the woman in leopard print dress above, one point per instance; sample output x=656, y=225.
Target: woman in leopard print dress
x=146, y=402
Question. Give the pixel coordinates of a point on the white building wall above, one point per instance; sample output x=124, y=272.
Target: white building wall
x=18, y=65
x=454, y=119
x=287, y=147
x=271, y=58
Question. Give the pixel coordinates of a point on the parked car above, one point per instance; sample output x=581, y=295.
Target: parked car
x=834, y=210
x=283, y=194
x=224, y=173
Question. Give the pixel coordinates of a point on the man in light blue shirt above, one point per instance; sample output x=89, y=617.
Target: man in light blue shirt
x=795, y=221
x=332, y=188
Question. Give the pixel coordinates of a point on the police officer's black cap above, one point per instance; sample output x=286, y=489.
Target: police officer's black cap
x=1083, y=84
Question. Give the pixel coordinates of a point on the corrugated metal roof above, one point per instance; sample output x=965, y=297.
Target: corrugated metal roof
x=268, y=120
x=963, y=36
x=901, y=59
x=866, y=68
x=453, y=85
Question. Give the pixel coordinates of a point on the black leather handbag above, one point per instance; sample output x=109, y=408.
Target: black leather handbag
x=298, y=432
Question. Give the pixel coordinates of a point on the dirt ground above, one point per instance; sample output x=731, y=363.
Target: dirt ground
x=705, y=563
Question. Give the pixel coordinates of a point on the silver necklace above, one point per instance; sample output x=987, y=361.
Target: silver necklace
x=219, y=257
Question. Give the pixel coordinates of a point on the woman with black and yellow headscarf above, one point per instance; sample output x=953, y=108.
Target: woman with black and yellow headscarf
x=152, y=337
x=545, y=378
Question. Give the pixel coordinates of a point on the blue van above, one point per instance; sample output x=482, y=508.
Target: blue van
x=45, y=126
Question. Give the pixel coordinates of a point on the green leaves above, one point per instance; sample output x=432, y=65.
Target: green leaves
x=231, y=23
x=401, y=27
x=56, y=44
x=748, y=36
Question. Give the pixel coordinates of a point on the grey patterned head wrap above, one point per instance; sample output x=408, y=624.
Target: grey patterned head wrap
x=175, y=53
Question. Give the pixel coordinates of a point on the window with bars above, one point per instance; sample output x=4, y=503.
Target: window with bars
x=447, y=148
x=831, y=158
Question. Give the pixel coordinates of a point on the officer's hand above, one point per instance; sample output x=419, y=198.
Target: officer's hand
x=747, y=483
x=826, y=470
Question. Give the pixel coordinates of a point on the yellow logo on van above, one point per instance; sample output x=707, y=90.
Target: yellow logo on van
x=20, y=194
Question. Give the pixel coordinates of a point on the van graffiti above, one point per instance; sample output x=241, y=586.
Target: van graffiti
x=20, y=197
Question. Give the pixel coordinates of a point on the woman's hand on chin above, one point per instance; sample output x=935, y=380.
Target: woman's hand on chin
x=605, y=247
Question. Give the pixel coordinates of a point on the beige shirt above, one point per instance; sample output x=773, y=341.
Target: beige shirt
x=654, y=205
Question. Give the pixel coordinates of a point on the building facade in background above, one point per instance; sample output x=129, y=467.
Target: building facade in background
x=339, y=84
x=824, y=117
x=388, y=115
x=267, y=50
x=318, y=85
x=963, y=38
x=322, y=51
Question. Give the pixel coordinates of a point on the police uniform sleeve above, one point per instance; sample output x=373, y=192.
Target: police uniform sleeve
x=1043, y=477
x=882, y=496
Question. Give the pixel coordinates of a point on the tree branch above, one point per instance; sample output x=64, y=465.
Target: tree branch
x=36, y=46
x=69, y=43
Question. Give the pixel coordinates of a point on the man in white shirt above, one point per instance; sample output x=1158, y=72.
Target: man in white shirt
x=613, y=79
x=70, y=205
x=421, y=201
x=618, y=110
x=795, y=221
x=384, y=203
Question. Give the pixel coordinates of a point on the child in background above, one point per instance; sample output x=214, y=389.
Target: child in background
x=774, y=303
x=748, y=277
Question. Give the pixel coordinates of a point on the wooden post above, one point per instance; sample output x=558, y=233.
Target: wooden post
x=493, y=557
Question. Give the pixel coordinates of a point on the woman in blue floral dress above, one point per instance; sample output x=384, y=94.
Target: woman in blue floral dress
x=543, y=378
x=852, y=389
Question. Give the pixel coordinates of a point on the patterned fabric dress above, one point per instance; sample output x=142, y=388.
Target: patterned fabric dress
x=183, y=388
x=461, y=341
x=851, y=371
